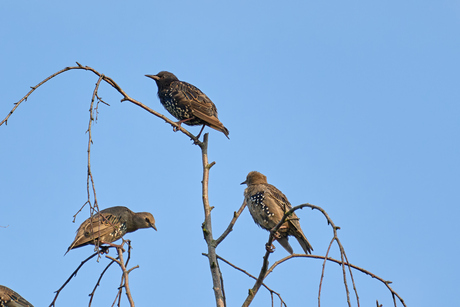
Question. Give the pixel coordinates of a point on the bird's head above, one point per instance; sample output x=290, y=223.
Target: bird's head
x=255, y=178
x=145, y=220
x=163, y=78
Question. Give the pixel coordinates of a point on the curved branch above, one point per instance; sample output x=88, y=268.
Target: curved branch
x=271, y=237
x=112, y=83
x=343, y=255
x=252, y=292
x=339, y=262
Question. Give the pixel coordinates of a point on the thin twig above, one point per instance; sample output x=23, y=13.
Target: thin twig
x=236, y=214
x=98, y=283
x=94, y=208
x=322, y=271
x=71, y=276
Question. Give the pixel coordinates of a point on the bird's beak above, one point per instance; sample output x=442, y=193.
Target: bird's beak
x=154, y=77
x=244, y=182
x=153, y=226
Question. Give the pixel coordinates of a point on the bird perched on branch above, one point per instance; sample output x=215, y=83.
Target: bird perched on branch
x=186, y=102
x=110, y=225
x=9, y=298
x=267, y=206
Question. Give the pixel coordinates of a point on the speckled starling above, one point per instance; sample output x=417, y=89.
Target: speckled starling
x=186, y=102
x=9, y=298
x=267, y=206
x=114, y=223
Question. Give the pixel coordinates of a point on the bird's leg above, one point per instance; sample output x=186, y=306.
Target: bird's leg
x=202, y=128
x=179, y=123
x=271, y=248
x=114, y=245
x=283, y=228
x=104, y=249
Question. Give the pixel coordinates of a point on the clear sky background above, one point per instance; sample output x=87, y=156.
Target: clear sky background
x=349, y=105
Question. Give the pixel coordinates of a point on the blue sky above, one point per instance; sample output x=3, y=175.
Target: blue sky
x=351, y=106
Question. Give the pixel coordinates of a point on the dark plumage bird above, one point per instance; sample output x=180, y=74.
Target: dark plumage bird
x=186, y=102
x=267, y=206
x=114, y=223
x=9, y=298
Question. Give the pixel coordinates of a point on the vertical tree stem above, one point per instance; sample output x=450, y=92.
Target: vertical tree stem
x=125, y=276
x=207, y=228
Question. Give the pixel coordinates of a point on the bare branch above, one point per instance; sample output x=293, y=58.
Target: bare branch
x=263, y=270
x=98, y=283
x=216, y=274
x=94, y=208
x=342, y=254
x=339, y=262
x=322, y=272
x=236, y=214
x=33, y=88
x=73, y=275
x=253, y=277
x=115, y=86
x=124, y=283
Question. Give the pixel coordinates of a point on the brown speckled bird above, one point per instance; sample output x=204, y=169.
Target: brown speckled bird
x=186, y=102
x=267, y=206
x=9, y=298
x=115, y=222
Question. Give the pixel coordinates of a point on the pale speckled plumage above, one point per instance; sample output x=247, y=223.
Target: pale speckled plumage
x=268, y=205
x=9, y=298
x=114, y=223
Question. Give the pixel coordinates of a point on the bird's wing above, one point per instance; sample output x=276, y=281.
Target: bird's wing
x=293, y=220
x=194, y=97
x=281, y=199
x=285, y=205
x=13, y=299
x=94, y=228
x=198, y=103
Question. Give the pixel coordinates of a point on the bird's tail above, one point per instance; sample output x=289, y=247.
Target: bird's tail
x=285, y=243
x=306, y=246
x=211, y=121
x=222, y=129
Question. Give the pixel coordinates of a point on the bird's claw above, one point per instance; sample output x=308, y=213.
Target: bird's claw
x=277, y=235
x=270, y=248
x=113, y=245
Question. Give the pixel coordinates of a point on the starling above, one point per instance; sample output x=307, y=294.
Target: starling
x=186, y=102
x=268, y=205
x=115, y=222
x=9, y=298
